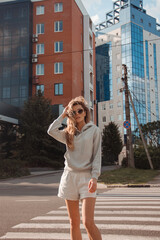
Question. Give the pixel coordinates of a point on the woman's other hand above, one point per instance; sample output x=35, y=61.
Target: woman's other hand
x=92, y=185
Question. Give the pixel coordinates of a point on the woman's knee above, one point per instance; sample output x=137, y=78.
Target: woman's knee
x=88, y=223
x=74, y=223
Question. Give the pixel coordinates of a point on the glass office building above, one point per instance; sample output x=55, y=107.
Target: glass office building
x=138, y=47
x=15, y=51
x=104, y=72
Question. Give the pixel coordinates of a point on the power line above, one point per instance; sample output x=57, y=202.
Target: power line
x=84, y=50
x=144, y=106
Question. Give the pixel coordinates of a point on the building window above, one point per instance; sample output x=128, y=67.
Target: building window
x=90, y=41
x=40, y=28
x=23, y=71
x=40, y=88
x=112, y=118
x=6, y=72
x=23, y=31
x=104, y=119
x=58, y=47
x=118, y=67
x=58, y=67
x=23, y=51
x=23, y=91
x=111, y=106
x=40, y=48
x=7, y=51
x=149, y=24
x=119, y=104
x=133, y=16
x=118, y=92
x=119, y=117
x=118, y=80
x=58, y=26
x=120, y=129
x=23, y=12
x=90, y=24
x=8, y=13
x=91, y=78
x=40, y=10
x=103, y=106
x=118, y=56
x=6, y=92
x=91, y=59
x=40, y=69
x=58, y=7
x=141, y=20
x=58, y=88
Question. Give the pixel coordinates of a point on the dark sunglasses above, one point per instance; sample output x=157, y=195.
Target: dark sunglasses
x=79, y=111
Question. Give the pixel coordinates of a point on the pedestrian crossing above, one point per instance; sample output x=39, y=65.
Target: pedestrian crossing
x=120, y=214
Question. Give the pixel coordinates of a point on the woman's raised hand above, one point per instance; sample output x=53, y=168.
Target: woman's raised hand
x=65, y=112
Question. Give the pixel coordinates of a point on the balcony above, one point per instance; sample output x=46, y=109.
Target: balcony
x=35, y=80
x=35, y=38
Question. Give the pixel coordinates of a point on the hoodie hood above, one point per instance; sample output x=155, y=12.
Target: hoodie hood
x=85, y=127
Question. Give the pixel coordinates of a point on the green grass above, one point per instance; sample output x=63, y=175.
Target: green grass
x=128, y=176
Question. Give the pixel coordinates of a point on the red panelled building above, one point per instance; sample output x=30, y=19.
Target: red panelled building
x=47, y=45
x=63, y=57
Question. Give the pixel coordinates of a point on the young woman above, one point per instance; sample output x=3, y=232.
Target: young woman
x=82, y=165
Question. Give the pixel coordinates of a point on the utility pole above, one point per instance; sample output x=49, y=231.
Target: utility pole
x=142, y=137
x=129, y=147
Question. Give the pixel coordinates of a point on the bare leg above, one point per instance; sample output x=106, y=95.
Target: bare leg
x=74, y=216
x=88, y=205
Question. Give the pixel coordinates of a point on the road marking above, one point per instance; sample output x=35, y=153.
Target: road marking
x=128, y=203
x=108, y=206
x=113, y=212
x=66, y=236
x=104, y=218
x=100, y=226
x=126, y=199
x=35, y=200
x=133, y=207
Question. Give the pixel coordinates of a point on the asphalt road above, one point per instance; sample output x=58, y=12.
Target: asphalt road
x=24, y=198
x=30, y=209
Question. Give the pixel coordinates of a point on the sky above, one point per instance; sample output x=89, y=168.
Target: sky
x=97, y=9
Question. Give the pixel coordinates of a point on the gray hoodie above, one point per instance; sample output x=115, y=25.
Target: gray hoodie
x=87, y=147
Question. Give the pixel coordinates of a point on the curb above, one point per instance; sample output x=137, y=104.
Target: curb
x=31, y=175
x=41, y=174
x=130, y=185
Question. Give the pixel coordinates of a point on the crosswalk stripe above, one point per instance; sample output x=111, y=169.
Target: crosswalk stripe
x=66, y=236
x=100, y=226
x=126, y=200
x=128, y=203
x=117, y=211
x=103, y=218
x=58, y=212
x=134, y=207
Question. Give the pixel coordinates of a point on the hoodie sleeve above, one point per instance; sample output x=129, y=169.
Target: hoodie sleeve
x=96, y=164
x=54, y=131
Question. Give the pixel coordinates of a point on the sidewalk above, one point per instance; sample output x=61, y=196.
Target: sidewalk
x=154, y=183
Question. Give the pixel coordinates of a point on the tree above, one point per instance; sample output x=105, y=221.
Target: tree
x=37, y=148
x=151, y=130
x=8, y=140
x=111, y=144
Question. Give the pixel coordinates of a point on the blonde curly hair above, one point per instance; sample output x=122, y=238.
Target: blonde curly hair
x=70, y=130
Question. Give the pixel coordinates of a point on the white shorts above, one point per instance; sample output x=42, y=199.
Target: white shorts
x=74, y=185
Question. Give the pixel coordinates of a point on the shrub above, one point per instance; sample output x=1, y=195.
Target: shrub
x=44, y=161
x=141, y=160
x=12, y=168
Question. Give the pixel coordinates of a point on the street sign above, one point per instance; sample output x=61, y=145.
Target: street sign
x=127, y=124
